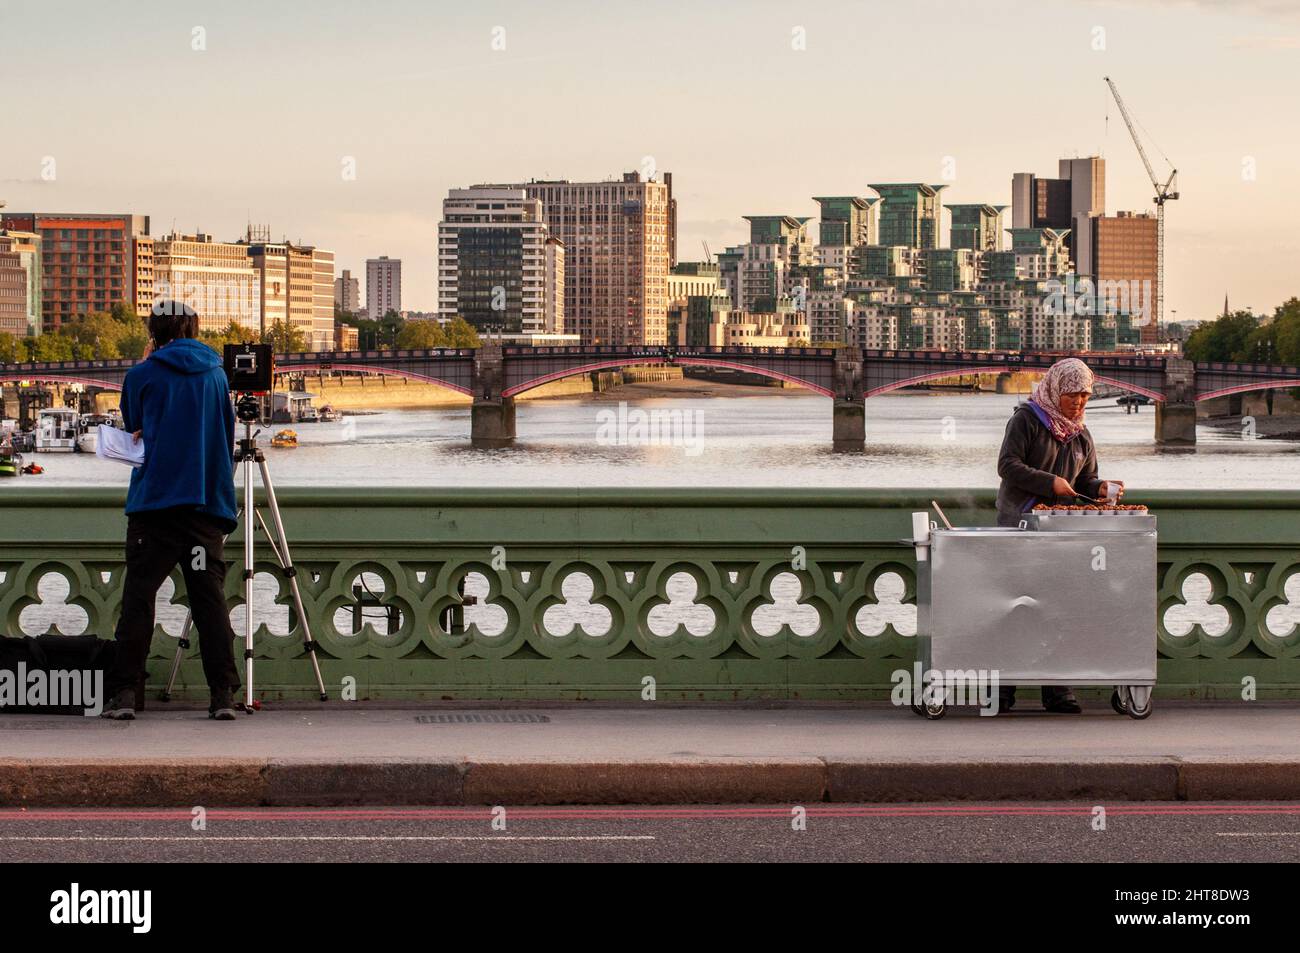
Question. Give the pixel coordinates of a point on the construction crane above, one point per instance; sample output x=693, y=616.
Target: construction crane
x=1165, y=192
x=708, y=255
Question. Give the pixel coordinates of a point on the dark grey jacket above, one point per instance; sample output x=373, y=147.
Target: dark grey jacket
x=1031, y=458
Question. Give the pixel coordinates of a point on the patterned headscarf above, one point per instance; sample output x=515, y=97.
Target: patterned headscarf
x=1067, y=376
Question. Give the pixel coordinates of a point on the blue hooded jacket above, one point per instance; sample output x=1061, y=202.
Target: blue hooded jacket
x=180, y=398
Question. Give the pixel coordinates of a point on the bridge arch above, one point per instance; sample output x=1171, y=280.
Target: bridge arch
x=678, y=361
x=1246, y=388
x=377, y=370
x=1003, y=369
x=13, y=378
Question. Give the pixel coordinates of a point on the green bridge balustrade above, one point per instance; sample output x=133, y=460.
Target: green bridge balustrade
x=579, y=589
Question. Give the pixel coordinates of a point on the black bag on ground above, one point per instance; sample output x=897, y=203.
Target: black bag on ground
x=49, y=654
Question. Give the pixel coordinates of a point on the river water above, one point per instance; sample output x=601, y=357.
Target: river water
x=752, y=441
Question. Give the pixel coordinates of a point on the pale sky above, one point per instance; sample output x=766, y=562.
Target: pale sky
x=258, y=125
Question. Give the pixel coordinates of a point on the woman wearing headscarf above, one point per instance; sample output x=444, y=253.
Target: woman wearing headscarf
x=1048, y=456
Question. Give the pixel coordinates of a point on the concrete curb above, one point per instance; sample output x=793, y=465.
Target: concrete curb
x=249, y=782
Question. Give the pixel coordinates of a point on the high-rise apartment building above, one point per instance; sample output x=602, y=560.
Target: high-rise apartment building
x=1039, y=203
x=951, y=269
x=383, y=286
x=347, y=293
x=499, y=267
x=769, y=265
x=672, y=220
x=295, y=285
x=20, y=283
x=910, y=214
x=848, y=220
x=1124, y=253
x=846, y=223
x=88, y=262
x=618, y=246
x=1087, y=178
x=828, y=316
x=322, y=300
x=217, y=279
x=142, y=266
x=1070, y=201
x=553, y=313
x=977, y=227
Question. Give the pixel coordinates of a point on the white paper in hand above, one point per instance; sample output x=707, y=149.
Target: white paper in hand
x=115, y=444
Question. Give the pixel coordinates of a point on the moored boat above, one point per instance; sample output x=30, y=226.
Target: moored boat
x=57, y=430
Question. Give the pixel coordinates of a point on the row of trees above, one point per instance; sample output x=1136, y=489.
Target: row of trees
x=98, y=336
x=392, y=330
x=1242, y=336
x=281, y=335
x=121, y=333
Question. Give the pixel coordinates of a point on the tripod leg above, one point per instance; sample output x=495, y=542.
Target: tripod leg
x=182, y=644
x=286, y=562
x=249, y=513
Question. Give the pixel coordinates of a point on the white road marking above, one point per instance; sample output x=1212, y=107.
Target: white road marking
x=1257, y=834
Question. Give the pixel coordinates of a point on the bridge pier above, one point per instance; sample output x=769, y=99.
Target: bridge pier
x=1176, y=424
x=492, y=423
x=492, y=415
x=849, y=410
x=849, y=427
x=1176, y=414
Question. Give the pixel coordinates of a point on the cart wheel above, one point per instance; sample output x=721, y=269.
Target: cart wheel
x=1140, y=713
x=1118, y=702
x=935, y=711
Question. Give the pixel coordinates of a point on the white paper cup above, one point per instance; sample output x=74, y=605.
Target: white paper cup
x=921, y=527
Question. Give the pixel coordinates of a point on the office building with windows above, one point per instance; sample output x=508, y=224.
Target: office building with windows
x=88, y=262
x=216, y=279
x=499, y=267
x=619, y=240
x=20, y=283
x=383, y=286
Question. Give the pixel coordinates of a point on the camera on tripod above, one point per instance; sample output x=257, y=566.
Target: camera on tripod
x=249, y=367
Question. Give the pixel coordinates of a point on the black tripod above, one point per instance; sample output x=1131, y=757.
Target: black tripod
x=246, y=455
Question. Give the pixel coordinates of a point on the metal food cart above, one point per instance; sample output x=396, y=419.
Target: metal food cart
x=1066, y=598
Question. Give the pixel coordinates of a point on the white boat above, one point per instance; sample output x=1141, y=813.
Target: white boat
x=57, y=429
x=88, y=437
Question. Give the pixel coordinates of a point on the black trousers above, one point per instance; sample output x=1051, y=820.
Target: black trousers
x=155, y=542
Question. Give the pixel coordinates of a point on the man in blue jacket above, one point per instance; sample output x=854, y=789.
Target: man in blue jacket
x=180, y=505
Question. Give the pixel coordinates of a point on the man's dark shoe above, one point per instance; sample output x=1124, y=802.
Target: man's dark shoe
x=121, y=707
x=221, y=707
x=1063, y=703
x=1006, y=699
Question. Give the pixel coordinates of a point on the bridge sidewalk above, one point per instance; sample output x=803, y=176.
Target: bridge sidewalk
x=365, y=755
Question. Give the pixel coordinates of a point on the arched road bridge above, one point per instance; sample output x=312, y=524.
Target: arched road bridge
x=494, y=375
